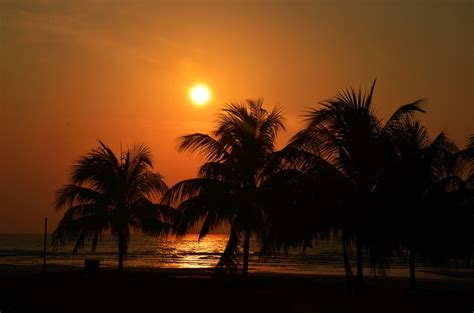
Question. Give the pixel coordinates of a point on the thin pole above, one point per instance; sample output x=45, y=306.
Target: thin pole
x=45, y=241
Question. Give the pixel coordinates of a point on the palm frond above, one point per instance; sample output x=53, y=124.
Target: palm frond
x=152, y=226
x=83, y=210
x=189, y=188
x=217, y=171
x=399, y=116
x=192, y=211
x=138, y=161
x=147, y=184
x=143, y=207
x=463, y=161
x=73, y=194
x=203, y=144
x=100, y=168
x=211, y=221
x=78, y=229
x=270, y=126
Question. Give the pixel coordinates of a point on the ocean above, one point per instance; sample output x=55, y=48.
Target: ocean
x=325, y=257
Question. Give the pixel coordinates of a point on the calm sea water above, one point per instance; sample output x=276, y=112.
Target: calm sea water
x=187, y=252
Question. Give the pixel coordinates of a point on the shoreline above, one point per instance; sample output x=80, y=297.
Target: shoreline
x=433, y=273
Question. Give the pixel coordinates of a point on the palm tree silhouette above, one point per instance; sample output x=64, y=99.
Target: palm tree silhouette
x=453, y=198
x=227, y=189
x=347, y=133
x=424, y=192
x=109, y=192
x=405, y=189
x=313, y=191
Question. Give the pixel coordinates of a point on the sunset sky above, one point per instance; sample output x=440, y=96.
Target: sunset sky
x=72, y=72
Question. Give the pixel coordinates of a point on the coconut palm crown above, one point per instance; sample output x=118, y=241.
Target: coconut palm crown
x=111, y=193
x=227, y=189
x=346, y=131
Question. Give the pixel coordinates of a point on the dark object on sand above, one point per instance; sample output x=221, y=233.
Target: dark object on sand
x=91, y=266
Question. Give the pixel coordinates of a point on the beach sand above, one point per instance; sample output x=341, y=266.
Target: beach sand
x=191, y=290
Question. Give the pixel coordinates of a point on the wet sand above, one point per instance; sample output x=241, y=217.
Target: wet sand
x=66, y=290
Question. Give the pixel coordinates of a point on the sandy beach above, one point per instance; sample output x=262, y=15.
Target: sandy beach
x=66, y=290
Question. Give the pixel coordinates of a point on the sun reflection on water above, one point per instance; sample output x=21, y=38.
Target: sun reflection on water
x=190, y=252
x=148, y=253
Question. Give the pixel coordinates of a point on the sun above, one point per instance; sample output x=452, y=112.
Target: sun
x=200, y=94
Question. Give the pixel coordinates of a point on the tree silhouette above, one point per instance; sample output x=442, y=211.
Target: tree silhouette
x=452, y=197
x=404, y=189
x=227, y=190
x=347, y=133
x=305, y=203
x=425, y=198
x=111, y=193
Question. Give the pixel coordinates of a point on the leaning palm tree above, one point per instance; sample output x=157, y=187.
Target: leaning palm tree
x=228, y=187
x=347, y=133
x=111, y=193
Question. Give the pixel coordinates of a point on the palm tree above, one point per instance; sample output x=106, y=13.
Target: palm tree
x=347, y=133
x=110, y=192
x=453, y=197
x=404, y=188
x=305, y=203
x=424, y=193
x=228, y=187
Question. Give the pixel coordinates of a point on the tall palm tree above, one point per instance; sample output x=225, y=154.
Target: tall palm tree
x=110, y=192
x=228, y=187
x=305, y=203
x=405, y=188
x=424, y=193
x=347, y=133
x=453, y=197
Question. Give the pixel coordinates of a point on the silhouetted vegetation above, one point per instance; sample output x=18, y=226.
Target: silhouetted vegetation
x=111, y=193
x=229, y=188
x=428, y=200
x=381, y=186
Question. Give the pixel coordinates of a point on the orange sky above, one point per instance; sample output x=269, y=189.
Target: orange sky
x=72, y=72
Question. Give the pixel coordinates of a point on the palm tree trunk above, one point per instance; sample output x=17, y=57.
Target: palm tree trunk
x=121, y=246
x=360, y=264
x=246, y=254
x=412, y=269
x=347, y=265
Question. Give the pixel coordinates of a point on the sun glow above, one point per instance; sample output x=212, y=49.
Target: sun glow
x=200, y=94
